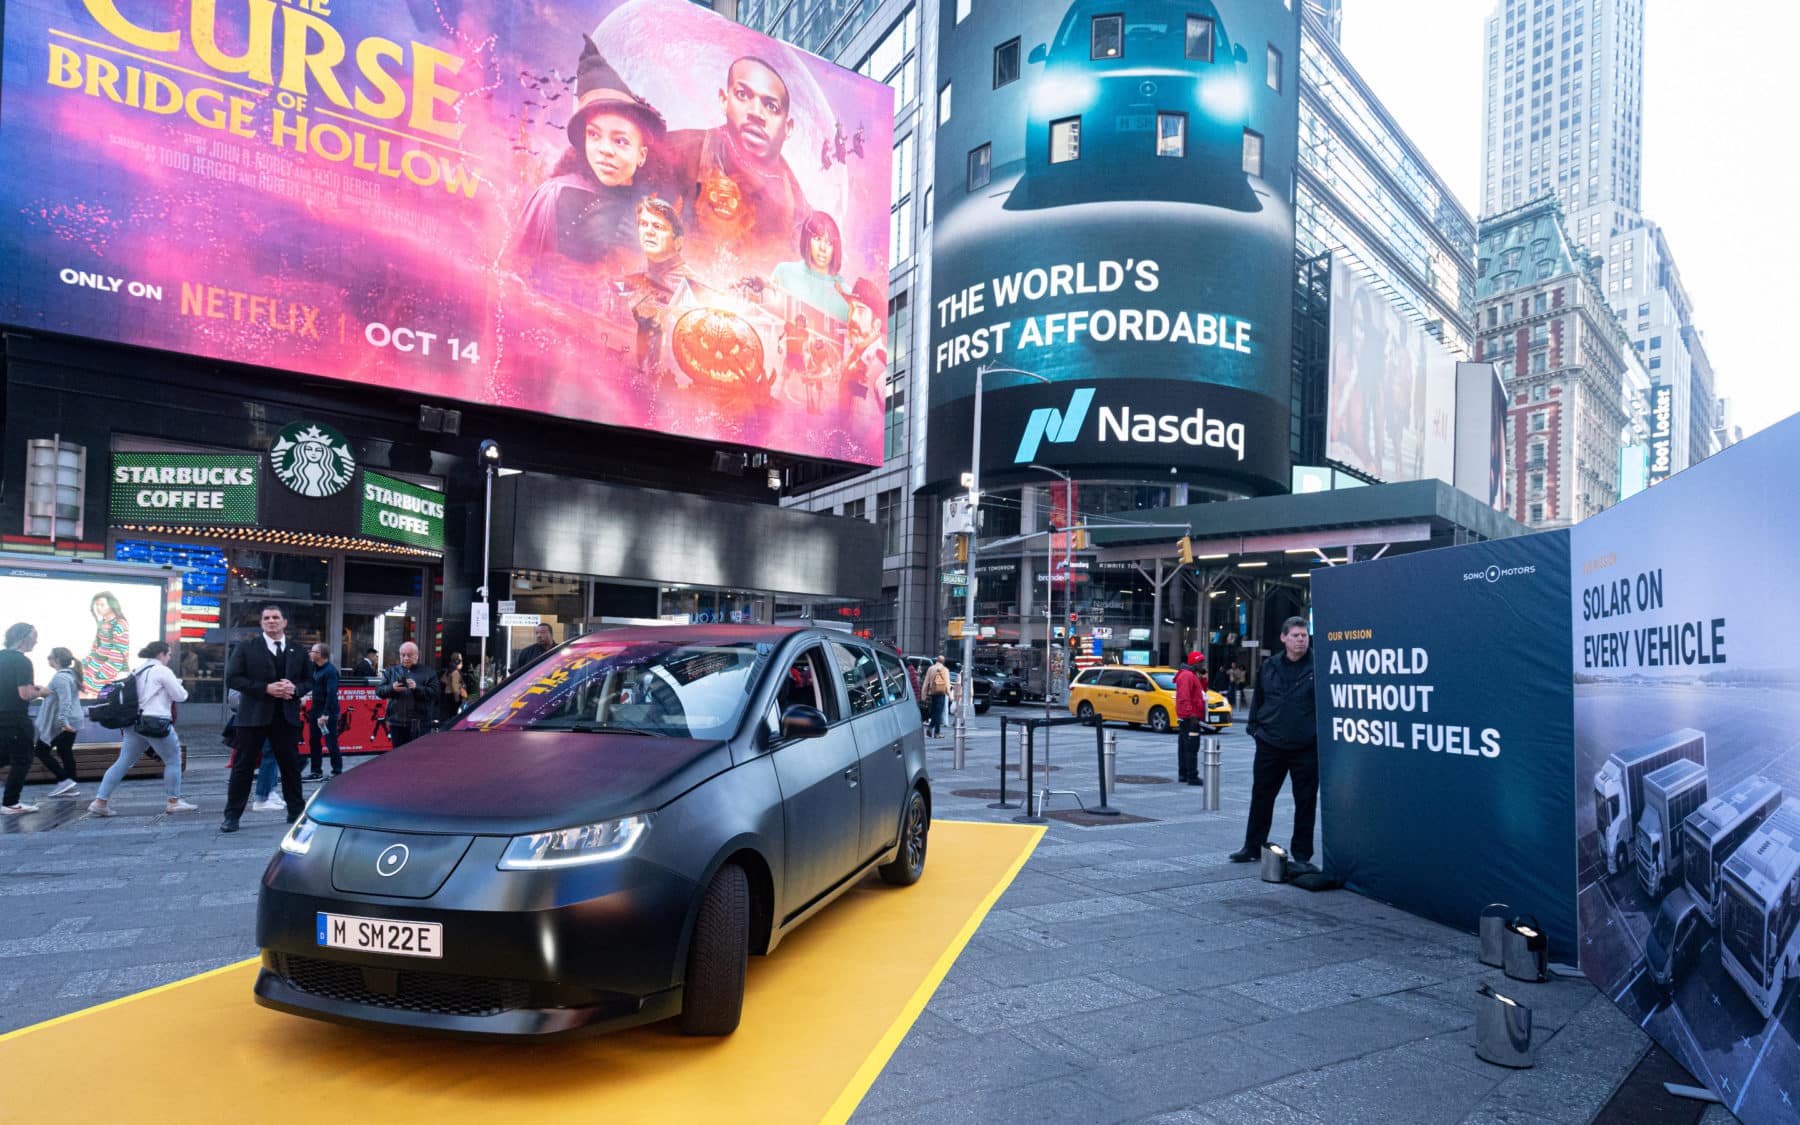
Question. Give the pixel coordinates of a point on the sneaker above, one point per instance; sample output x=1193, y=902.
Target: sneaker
x=66, y=789
x=179, y=805
x=99, y=808
x=273, y=804
x=315, y=777
x=17, y=810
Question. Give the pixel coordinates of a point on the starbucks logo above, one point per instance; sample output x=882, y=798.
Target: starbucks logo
x=313, y=460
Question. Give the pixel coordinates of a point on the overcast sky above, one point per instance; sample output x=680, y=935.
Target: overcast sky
x=1720, y=173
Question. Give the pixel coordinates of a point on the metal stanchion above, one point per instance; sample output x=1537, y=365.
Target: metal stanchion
x=1109, y=757
x=1003, y=803
x=1034, y=802
x=1209, y=749
x=1104, y=754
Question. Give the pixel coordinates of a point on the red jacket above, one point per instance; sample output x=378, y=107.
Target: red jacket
x=1190, y=695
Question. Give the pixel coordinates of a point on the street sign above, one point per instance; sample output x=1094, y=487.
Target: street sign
x=517, y=620
x=509, y=606
x=953, y=578
x=478, y=619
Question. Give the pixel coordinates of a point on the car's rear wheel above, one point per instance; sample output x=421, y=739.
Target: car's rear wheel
x=713, y=997
x=1084, y=709
x=915, y=829
x=1159, y=720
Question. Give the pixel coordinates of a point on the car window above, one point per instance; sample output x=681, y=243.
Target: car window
x=653, y=687
x=894, y=673
x=807, y=683
x=1164, y=680
x=1088, y=678
x=861, y=675
x=1137, y=681
x=1114, y=678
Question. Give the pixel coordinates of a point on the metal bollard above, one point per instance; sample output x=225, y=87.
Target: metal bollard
x=1274, y=863
x=1493, y=929
x=1502, y=1029
x=1526, y=951
x=1209, y=748
x=1111, y=756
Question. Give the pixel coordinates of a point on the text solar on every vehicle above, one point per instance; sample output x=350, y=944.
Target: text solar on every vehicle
x=602, y=840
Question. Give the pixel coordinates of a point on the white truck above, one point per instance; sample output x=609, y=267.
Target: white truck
x=1670, y=795
x=1619, y=788
x=1759, y=909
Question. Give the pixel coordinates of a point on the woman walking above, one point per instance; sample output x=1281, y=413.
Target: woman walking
x=58, y=718
x=456, y=691
x=17, y=689
x=158, y=692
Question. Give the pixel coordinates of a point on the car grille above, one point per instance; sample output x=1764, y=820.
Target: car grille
x=434, y=993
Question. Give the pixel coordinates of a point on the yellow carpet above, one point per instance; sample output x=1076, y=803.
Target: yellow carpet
x=822, y=1014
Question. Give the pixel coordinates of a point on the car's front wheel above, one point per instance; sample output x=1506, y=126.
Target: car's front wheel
x=915, y=832
x=713, y=997
x=1159, y=720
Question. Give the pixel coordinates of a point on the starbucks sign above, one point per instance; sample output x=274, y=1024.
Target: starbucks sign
x=312, y=459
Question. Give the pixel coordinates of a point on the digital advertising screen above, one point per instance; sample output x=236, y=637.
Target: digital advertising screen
x=1392, y=406
x=627, y=212
x=1113, y=215
x=103, y=620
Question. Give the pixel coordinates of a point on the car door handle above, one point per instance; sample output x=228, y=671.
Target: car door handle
x=851, y=776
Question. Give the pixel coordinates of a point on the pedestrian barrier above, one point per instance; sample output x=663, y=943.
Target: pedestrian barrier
x=1209, y=751
x=1003, y=803
x=1034, y=796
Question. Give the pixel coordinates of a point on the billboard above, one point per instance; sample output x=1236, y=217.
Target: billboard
x=1662, y=433
x=1114, y=214
x=1687, y=773
x=630, y=212
x=1392, y=407
x=103, y=620
x=1444, y=787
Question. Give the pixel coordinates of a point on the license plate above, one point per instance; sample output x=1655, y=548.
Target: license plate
x=1135, y=122
x=381, y=935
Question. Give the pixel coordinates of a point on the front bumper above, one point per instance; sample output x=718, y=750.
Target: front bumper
x=525, y=953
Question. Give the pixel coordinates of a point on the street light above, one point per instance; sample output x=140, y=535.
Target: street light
x=967, y=702
x=489, y=455
x=1068, y=575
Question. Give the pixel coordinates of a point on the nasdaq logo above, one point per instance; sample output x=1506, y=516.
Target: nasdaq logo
x=1058, y=426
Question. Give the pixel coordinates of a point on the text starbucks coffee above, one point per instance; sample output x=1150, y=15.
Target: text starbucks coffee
x=218, y=477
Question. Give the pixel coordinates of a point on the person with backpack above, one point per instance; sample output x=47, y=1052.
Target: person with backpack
x=58, y=718
x=18, y=688
x=157, y=692
x=937, y=694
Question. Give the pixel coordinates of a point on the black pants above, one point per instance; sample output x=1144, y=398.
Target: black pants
x=283, y=739
x=330, y=739
x=401, y=733
x=63, y=746
x=16, y=743
x=1274, y=765
x=1187, y=750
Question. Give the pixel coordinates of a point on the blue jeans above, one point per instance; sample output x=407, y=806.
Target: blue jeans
x=168, y=748
x=940, y=707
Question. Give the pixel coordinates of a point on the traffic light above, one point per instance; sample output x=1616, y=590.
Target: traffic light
x=962, y=548
x=1079, y=540
x=1074, y=618
x=1185, y=545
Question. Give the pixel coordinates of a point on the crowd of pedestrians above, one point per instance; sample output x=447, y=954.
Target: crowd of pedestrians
x=267, y=677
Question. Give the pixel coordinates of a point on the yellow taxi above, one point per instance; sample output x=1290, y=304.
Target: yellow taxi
x=1129, y=694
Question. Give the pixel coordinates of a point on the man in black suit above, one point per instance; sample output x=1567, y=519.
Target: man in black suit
x=366, y=666
x=270, y=673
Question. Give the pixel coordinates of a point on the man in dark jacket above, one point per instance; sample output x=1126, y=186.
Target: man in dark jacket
x=411, y=690
x=1190, y=712
x=270, y=673
x=1283, y=723
x=546, y=640
x=322, y=725
x=366, y=666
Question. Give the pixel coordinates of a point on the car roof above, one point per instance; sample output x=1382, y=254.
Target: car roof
x=1133, y=668
x=715, y=634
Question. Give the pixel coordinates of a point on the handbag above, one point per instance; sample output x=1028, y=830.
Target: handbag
x=154, y=726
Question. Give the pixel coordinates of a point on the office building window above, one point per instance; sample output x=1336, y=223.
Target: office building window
x=1200, y=38
x=1273, y=76
x=1065, y=140
x=1106, y=37
x=856, y=509
x=962, y=9
x=1171, y=134
x=1536, y=514
x=1253, y=152
x=1540, y=419
x=1537, y=482
x=887, y=515
x=981, y=167
x=894, y=61
x=1006, y=63
x=944, y=104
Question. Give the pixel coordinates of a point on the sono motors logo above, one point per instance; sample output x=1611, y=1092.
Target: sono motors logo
x=313, y=460
x=1495, y=573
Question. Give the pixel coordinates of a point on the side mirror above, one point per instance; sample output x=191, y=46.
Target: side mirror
x=1237, y=52
x=1038, y=54
x=801, y=721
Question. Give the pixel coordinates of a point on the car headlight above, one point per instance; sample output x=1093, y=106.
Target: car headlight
x=298, y=840
x=570, y=847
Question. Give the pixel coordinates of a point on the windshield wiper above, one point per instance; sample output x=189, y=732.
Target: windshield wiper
x=603, y=728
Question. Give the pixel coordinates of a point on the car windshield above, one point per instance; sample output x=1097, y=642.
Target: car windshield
x=1662, y=931
x=1741, y=922
x=1164, y=680
x=661, y=688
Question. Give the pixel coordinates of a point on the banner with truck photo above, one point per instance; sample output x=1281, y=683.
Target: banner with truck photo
x=1687, y=768
x=1443, y=699
x=633, y=212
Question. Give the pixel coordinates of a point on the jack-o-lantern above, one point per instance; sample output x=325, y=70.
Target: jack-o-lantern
x=718, y=348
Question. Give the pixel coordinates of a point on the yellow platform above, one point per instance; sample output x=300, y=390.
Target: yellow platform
x=821, y=1016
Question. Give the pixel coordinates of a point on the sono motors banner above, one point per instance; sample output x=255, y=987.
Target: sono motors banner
x=1444, y=730
x=1687, y=769
x=624, y=211
x=1113, y=213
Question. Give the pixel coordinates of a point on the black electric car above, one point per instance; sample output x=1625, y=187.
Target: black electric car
x=603, y=839
x=1140, y=100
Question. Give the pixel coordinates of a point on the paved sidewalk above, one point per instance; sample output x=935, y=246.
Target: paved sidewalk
x=1129, y=974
